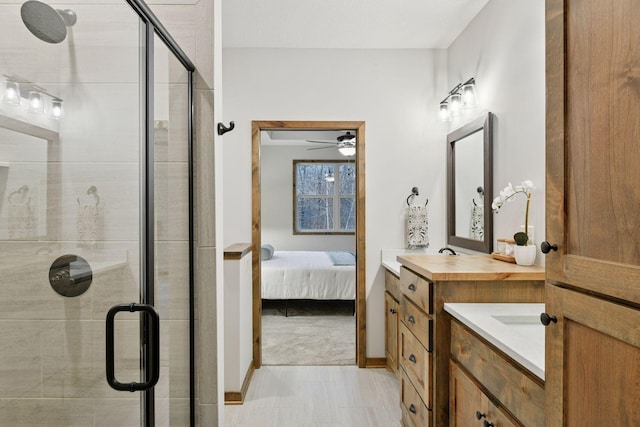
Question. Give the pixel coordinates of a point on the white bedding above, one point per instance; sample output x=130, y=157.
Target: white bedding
x=306, y=275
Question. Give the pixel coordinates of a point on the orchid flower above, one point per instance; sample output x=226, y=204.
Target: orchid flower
x=507, y=195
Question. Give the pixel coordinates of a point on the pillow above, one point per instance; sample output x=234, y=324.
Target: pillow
x=266, y=252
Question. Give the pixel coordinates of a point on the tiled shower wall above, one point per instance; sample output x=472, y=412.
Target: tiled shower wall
x=52, y=357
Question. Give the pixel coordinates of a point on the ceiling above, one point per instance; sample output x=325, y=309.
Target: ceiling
x=347, y=24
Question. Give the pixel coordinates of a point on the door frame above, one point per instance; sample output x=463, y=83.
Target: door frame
x=358, y=127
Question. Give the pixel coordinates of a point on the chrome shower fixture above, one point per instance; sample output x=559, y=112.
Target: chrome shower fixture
x=46, y=23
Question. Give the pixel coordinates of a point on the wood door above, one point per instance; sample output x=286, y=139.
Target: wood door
x=391, y=331
x=469, y=406
x=464, y=399
x=593, y=154
x=592, y=361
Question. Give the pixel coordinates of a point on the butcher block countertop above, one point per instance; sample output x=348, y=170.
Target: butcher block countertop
x=468, y=267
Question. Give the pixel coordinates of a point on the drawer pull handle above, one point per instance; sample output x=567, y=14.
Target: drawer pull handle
x=480, y=415
x=412, y=358
x=412, y=409
x=488, y=424
x=411, y=319
x=545, y=319
x=412, y=287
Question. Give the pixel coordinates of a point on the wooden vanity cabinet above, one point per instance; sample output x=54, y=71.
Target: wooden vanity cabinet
x=470, y=406
x=426, y=283
x=504, y=391
x=592, y=360
x=592, y=217
x=391, y=322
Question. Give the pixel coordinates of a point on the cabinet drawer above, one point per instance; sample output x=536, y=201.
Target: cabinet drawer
x=392, y=284
x=417, y=363
x=414, y=412
x=417, y=289
x=417, y=321
x=523, y=396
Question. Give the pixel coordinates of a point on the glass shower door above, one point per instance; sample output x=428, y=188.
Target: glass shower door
x=87, y=223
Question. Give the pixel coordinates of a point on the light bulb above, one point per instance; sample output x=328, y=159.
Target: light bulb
x=347, y=150
x=444, y=111
x=456, y=103
x=469, y=95
x=56, y=109
x=11, y=93
x=35, y=102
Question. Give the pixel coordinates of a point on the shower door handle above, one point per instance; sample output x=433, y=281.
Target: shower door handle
x=151, y=338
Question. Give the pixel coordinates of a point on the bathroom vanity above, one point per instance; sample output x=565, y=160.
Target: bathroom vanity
x=496, y=372
x=426, y=283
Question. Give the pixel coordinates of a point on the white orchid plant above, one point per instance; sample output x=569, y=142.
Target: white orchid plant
x=507, y=195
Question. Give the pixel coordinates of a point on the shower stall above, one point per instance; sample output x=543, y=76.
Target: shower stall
x=96, y=214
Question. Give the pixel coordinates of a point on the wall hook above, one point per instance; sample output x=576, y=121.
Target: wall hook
x=222, y=129
x=414, y=193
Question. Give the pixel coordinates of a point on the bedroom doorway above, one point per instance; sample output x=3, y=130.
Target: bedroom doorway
x=349, y=135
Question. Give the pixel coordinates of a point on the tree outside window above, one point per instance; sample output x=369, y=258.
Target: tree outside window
x=324, y=197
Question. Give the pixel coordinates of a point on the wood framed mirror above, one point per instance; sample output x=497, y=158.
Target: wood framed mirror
x=470, y=185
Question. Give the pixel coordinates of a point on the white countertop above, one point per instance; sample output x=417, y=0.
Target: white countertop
x=514, y=328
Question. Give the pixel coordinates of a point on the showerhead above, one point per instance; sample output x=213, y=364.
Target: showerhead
x=46, y=23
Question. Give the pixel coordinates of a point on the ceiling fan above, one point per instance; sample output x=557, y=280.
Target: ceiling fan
x=346, y=144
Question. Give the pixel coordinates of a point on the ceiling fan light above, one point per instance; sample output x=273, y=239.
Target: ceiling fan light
x=347, y=150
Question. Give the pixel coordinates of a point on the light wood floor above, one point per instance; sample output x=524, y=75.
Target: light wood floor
x=309, y=396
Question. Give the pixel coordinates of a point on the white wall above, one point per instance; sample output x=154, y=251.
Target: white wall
x=238, y=321
x=396, y=92
x=503, y=48
x=277, y=201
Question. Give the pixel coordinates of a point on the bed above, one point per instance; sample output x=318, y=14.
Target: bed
x=312, y=275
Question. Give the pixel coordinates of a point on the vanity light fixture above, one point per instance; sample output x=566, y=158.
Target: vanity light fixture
x=36, y=103
x=469, y=97
x=37, y=99
x=463, y=95
x=11, y=93
x=56, y=108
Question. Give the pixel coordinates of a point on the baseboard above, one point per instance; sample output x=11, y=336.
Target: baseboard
x=237, y=397
x=376, y=362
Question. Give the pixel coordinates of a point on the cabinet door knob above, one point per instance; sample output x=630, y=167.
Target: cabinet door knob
x=412, y=287
x=412, y=358
x=547, y=247
x=410, y=319
x=487, y=424
x=412, y=409
x=480, y=415
x=545, y=319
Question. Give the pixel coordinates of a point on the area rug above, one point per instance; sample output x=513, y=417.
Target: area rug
x=311, y=334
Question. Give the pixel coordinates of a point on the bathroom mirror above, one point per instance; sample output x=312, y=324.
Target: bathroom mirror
x=469, y=185
x=28, y=165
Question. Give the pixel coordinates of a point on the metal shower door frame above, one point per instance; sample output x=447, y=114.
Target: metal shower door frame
x=148, y=358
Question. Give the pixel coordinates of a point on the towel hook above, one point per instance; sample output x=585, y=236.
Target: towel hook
x=92, y=191
x=222, y=129
x=19, y=192
x=414, y=192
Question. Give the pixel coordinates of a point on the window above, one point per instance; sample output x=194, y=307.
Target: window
x=324, y=197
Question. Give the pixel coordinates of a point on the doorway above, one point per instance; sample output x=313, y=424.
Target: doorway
x=358, y=129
